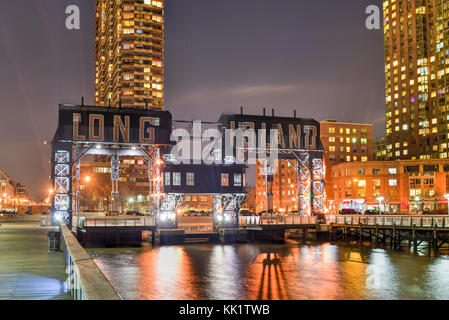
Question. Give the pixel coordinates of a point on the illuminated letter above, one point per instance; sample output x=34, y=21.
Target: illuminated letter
x=310, y=129
x=76, y=126
x=92, y=119
x=146, y=135
x=124, y=128
x=281, y=136
x=294, y=136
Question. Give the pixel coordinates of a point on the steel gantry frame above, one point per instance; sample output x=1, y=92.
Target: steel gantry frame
x=226, y=209
x=310, y=173
x=66, y=156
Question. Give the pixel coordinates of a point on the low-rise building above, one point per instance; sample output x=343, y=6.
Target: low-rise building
x=393, y=186
x=7, y=191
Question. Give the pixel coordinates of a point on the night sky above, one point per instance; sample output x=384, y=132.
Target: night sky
x=313, y=56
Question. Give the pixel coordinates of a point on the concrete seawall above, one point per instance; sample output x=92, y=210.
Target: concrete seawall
x=86, y=280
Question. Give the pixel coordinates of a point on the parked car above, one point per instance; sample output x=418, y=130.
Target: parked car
x=371, y=213
x=112, y=213
x=349, y=212
x=246, y=213
x=134, y=214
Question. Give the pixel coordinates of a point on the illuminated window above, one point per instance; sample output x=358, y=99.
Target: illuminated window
x=190, y=177
x=176, y=178
x=237, y=180
x=167, y=178
x=225, y=179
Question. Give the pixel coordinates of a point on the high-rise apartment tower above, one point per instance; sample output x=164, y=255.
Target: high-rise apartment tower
x=129, y=53
x=416, y=36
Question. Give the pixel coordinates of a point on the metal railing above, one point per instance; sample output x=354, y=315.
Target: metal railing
x=277, y=220
x=399, y=221
x=85, y=280
x=45, y=220
x=197, y=228
x=84, y=222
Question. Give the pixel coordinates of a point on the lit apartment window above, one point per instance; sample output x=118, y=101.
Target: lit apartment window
x=225, y=180
x=167, y=178
x=392, y=171
x=190, y=177
x=237, y=180
x=392, y=182
x=176, y=178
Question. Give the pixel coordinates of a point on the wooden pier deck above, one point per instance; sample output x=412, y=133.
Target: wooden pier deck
x=27, y=270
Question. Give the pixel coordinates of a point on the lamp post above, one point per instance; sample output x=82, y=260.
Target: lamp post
x=417, y=199
x=380, y=200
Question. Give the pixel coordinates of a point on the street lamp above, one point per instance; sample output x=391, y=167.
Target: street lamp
x=417, y=199
x=380, y=200
x=447, y=198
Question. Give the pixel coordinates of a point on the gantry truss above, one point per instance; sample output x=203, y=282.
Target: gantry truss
x=68, y=155
x=168, y=217
x=226, y=209
x=310, y=173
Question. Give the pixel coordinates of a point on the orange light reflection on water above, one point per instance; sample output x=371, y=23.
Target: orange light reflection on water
x=166, y=274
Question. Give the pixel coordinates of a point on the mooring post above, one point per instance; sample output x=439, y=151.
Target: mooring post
x=377, y=234
x=435, y=237
x=414, y=240
x=393, y=237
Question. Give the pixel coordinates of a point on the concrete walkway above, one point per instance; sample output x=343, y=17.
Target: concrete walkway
x=27, y=270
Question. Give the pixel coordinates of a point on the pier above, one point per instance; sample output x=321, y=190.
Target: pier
x=27, y=270
x=394, y=231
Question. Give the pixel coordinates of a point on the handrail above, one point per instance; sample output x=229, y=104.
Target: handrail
x=277, y=220
x=118, y=222
x=85, y=279
x=430, y=221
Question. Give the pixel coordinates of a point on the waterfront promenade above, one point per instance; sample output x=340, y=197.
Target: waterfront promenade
x=27, y=270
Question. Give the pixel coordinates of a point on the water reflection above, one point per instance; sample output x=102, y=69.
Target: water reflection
x=166, y=274
x=273, y=272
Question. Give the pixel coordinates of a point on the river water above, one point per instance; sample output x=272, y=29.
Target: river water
x=295, y=271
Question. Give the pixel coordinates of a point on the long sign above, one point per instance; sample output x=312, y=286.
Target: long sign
x=113, y=125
